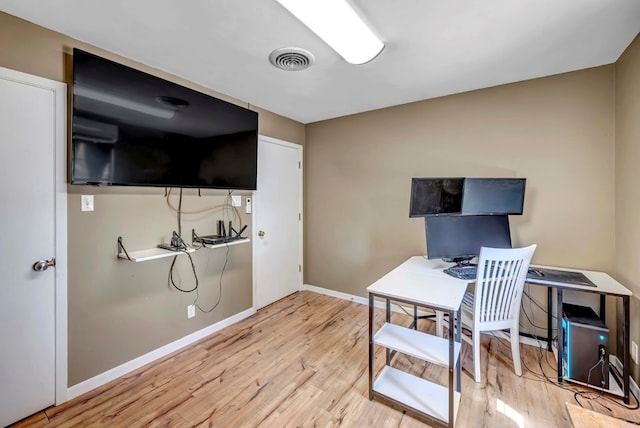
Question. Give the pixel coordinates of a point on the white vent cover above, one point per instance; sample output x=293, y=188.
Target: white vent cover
x=291, y=59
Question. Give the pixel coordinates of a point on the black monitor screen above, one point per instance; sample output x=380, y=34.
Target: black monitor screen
x=493, y=195
x=460, y=237
x=431, y=196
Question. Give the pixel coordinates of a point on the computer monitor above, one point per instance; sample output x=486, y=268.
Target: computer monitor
x=459, y=238
x=432, y=196
x=493, y=196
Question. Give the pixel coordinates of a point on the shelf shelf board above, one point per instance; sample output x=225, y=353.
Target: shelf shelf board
x=236, y=242
x=419, y=394
x=159, y=253
x=417, y=344
x=152, y=254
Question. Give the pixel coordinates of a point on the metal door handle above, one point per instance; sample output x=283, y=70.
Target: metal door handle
x=261, y=233
x=42, y=265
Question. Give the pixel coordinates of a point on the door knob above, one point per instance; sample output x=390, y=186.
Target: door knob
x=42, y=265
x=261, y=233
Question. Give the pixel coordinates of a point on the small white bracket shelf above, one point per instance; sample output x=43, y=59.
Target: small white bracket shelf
x=159, y=253
x=152, y=254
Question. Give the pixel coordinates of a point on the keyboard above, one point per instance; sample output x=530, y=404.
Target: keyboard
x=466, y=272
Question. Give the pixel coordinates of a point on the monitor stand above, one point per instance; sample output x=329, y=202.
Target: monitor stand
x=459, y=261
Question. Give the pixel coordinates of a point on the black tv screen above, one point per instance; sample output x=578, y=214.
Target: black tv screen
x=130, y=128
x=432, y=196
x=461, y=237
x=493, y=196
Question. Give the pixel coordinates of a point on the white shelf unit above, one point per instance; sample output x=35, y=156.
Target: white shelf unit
x=148, y=254
x=416, y=284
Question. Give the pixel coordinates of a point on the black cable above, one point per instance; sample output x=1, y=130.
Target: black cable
x=193, y=268
x=195, y=302
x=179, y=215
x=170, y=279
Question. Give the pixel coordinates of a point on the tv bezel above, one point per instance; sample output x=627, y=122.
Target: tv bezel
x=108, y=183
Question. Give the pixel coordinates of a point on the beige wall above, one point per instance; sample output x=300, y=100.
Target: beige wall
x=119, y=310
x=628, y=180
x=557, y=132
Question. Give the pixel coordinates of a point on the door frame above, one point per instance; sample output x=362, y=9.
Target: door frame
x=256, y=210
x=59, y=91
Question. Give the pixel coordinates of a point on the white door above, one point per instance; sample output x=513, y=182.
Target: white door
x=277, y=229
x=28, y=132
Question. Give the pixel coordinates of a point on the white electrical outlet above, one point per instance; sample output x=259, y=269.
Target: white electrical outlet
x=248, y=206
x=236, y=200
x=191, y=311
x=86, y=203
x=634, y=352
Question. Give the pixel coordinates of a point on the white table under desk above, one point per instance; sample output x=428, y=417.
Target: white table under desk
x=604, y=285
x=420, y=283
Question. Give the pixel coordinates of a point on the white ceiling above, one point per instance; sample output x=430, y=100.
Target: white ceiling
x=433, y=47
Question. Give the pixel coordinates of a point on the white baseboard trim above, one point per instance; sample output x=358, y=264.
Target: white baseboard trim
x=633, y=386
x=338, y=294
x=129, y=366
x=395, y=307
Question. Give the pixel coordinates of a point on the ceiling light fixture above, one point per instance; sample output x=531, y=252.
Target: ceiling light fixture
x=335, y=22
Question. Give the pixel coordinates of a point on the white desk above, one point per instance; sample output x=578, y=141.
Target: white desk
x=604, y=286
x=418, y=282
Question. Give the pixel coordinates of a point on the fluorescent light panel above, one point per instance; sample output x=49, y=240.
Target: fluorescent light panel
x=335, y=22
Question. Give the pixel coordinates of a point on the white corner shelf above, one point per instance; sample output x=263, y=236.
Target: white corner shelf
x=417, y=344
x=424, y=396
x=152, y=254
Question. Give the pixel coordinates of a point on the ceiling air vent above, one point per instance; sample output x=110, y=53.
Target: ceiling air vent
x=291, y=59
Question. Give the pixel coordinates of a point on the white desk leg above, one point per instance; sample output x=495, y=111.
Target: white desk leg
x=439, y=323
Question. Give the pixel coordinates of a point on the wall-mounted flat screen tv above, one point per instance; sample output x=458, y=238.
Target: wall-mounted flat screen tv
x=130, y=128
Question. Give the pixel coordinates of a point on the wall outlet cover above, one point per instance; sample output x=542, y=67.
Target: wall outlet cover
x=634, y=352
x=236, y=200
x=86, y=203
x=191, y=311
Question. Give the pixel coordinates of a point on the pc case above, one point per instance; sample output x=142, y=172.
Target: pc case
x=586, y=346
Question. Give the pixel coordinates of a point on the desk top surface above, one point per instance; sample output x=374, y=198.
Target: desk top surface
x=604, y=283
x=423, y=282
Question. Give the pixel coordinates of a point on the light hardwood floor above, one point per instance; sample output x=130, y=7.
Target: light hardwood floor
x=303, y=362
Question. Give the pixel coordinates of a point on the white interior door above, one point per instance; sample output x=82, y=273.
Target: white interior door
x=28, y=132
x=277, y=230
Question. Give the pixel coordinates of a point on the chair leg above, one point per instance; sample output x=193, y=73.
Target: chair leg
x=476, y=355
x=439, y=323
x=515, y=350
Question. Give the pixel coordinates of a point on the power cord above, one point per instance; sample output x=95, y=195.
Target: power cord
x=178, y=243
x=195, y=302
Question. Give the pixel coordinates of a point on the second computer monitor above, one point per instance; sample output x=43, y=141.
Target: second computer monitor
x=459, y=238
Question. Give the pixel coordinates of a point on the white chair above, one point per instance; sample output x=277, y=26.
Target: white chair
x=495, y=302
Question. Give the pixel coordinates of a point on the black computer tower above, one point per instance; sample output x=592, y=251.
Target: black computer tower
x=586, y=346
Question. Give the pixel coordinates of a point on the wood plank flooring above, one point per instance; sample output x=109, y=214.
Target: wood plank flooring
x=303, y=361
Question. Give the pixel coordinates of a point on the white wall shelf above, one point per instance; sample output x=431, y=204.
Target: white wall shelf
x=151, y=254
x=145, y=255
x=228, y=244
